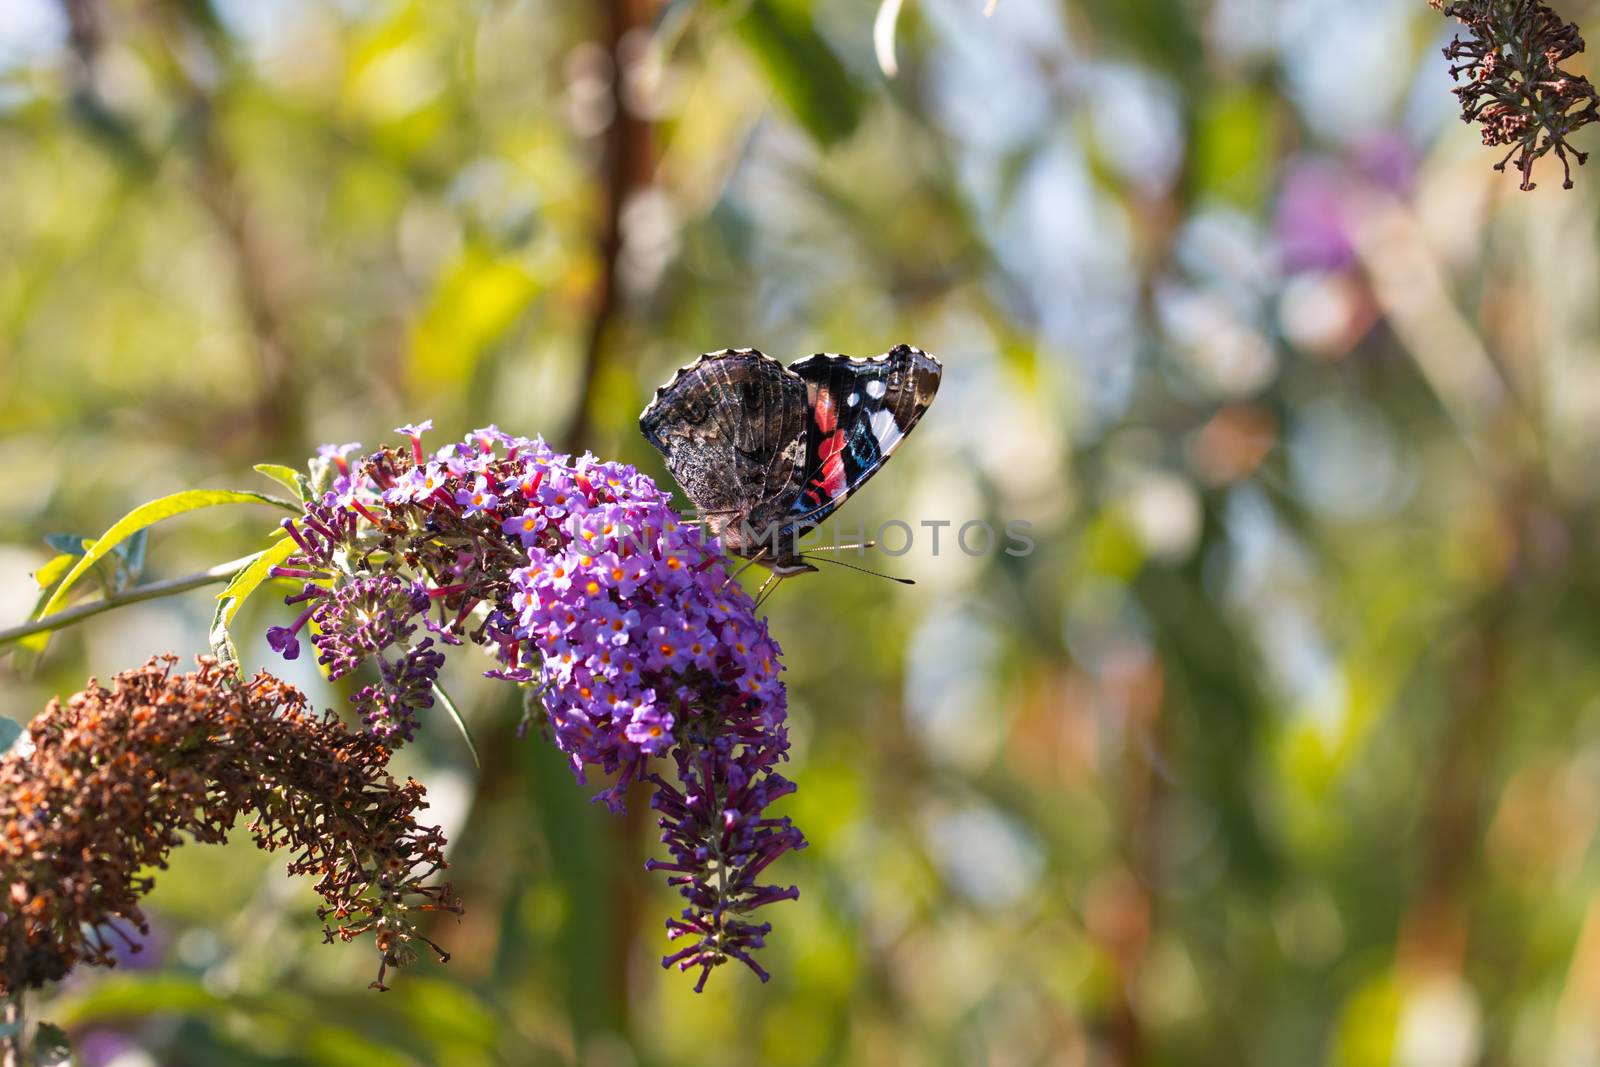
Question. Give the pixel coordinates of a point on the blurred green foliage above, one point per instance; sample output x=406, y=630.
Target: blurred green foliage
x=1282, y=745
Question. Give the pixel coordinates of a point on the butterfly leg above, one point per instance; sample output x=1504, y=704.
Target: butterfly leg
x=753, y=559
x=773, y=580
x=703, y=518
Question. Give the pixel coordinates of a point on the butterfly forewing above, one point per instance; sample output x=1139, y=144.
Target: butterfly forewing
x=859, y=412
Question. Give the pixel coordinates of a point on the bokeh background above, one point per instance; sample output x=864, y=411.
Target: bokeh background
x=1282, y=746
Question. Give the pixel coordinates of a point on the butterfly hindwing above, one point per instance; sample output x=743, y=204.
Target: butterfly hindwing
x=858, y=412
x=731, y=427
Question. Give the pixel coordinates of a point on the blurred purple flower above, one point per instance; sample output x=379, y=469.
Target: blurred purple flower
x=102, y=1045
x=1310, y=220
x=1315, y=215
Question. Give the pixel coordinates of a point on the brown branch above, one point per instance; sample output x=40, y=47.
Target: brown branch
x=627, y=165
x=277, y=405
x=222, y=572
x=1434, y=932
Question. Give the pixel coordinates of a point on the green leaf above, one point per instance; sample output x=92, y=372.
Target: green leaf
x=1162, y=32
x=803, y=70
x=11, y=732
x=69, y=543
x=222, y=645
x=73, y=546
x=51, y=1047
x=1235, y=146
x=291, y=479
x=461, y=724
x=139, y=518
x=123, y=997
x=49, y=574
x=232, y=598
x=132, y=552
x=23, y=659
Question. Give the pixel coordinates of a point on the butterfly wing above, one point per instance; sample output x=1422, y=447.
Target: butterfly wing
x=731, y=427
x=857, y=413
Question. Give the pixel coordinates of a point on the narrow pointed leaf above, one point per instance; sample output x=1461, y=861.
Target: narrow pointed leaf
x=50, y=573
x=802, y=68
x=69, y=543
x=291, y=479
x=461, y=724
x=222, y=645
x=132, y=552
x=139, y=518
x=232, y=598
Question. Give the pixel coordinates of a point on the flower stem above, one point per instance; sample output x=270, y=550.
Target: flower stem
x=150, y=591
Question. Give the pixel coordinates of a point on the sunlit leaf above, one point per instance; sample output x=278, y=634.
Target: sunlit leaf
x=1235, y=147
x=232, y=598
x=294, y=481
x=74, y=546
x=139, y=518
x=477, y=300
x=52, y=570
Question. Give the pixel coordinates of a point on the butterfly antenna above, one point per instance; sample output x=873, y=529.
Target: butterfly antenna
x=863, y=570
x=843, y=548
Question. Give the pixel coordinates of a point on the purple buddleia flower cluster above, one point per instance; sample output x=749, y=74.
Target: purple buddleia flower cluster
x=580, y=581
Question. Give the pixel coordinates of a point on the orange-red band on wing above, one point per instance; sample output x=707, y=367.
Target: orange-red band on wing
x=831, y=478
x=825, y=412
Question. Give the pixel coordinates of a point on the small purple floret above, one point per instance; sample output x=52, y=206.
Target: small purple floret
x=282, y=640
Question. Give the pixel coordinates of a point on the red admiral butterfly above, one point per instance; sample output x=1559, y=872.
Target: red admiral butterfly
x=766, y=452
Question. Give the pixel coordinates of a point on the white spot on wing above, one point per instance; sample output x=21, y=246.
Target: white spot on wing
x=885, y=430
x=853, y=399
x=876, y=389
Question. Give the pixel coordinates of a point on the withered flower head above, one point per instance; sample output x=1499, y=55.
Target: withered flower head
x=118, y=776
x=1515, y=87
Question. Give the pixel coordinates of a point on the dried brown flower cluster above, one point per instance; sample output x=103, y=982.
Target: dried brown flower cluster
x=1516, y=89
x=119, y=775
